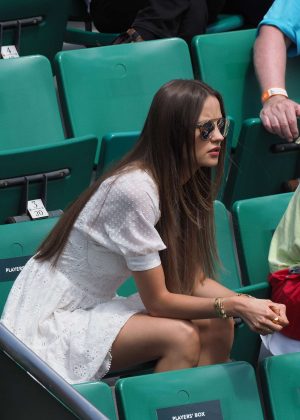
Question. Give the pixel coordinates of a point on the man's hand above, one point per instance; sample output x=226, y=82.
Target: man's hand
x=279, y=116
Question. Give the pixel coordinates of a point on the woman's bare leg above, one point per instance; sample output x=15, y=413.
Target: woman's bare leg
x=174, y=343
x=216, y=340
x=216, y=334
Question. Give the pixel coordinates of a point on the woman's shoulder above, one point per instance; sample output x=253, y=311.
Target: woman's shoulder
x=133, y=181
x=133, y=188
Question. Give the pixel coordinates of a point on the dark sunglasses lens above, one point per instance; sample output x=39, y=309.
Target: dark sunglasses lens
x=206, y=129
x=222, y=126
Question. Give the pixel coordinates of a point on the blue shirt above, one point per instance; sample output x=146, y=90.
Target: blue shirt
x=285, y=15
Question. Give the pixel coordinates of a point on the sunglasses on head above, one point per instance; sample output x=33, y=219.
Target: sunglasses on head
x=207, y=128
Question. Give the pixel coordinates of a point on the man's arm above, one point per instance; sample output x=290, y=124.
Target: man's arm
x=279, y=114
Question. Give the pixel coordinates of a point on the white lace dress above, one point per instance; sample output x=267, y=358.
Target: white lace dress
x=70, y=315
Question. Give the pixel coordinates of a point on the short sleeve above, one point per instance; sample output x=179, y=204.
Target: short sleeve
x=285, y=16
x=126, y=222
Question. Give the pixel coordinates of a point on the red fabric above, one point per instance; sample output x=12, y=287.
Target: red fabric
x=286, y=289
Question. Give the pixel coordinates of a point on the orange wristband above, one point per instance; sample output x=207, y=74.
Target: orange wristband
x=272, y=92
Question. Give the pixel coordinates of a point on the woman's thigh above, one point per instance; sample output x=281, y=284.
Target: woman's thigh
x=144, y=338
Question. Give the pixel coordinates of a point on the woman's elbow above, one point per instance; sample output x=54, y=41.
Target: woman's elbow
x=157, y=308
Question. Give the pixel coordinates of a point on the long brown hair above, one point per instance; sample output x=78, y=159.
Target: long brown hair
x=186, y=225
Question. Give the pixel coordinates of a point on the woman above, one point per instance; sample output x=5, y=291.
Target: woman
x=152, y=217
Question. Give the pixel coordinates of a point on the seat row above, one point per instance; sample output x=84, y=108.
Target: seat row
x=30, y=389
x=105, y=94
x=41, y=26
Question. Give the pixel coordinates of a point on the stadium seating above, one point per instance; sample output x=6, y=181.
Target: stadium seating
x=280, y=382
x=109, y=89
x=19, y=241
x=224, y=61
x=225, y=23
x=29, y=108
x=226, y=391
x=114, y=146
x=100, y=395
x=260, y=165
x=255, y=221
x=56, y=174
x=33, y=143
x=34, y=26
x=89, y=38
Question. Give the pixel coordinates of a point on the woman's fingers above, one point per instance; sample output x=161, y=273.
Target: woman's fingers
x=264, y=316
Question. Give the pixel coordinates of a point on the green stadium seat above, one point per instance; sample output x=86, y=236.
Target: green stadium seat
x=230, y=387
x=29, y=108
x=246, y=343
x=19, y=241
x=100, y=395
x=225, y=23
x=224, y=61
x=255, y=221
x=33, y=141
x=109, y=89
x=56, y=173
x=280, y=382
x=261, y=164
x=43, y=24
x=114, y=146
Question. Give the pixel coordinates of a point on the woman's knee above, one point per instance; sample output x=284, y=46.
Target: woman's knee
x=222, y=332
x=186, y=341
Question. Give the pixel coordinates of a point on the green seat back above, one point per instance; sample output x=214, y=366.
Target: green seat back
x=233, y=385
x=228, y=271
x=256, y=169
x=76, y=155
x=44, y=38
x=109, y=89
x=114, y=146
x=280, y=377
x=19, y=241
x=246, y=343
x=100, y=395
x=224, y=61
x=255, y=221
x=29, y=110
x=225, y=23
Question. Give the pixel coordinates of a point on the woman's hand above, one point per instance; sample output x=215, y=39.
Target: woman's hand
x=262, y=315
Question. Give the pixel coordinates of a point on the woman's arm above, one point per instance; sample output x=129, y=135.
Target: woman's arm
x=159, y=302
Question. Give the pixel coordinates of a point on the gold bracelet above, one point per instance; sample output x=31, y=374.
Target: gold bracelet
x=219, y=308
x=244, y=294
